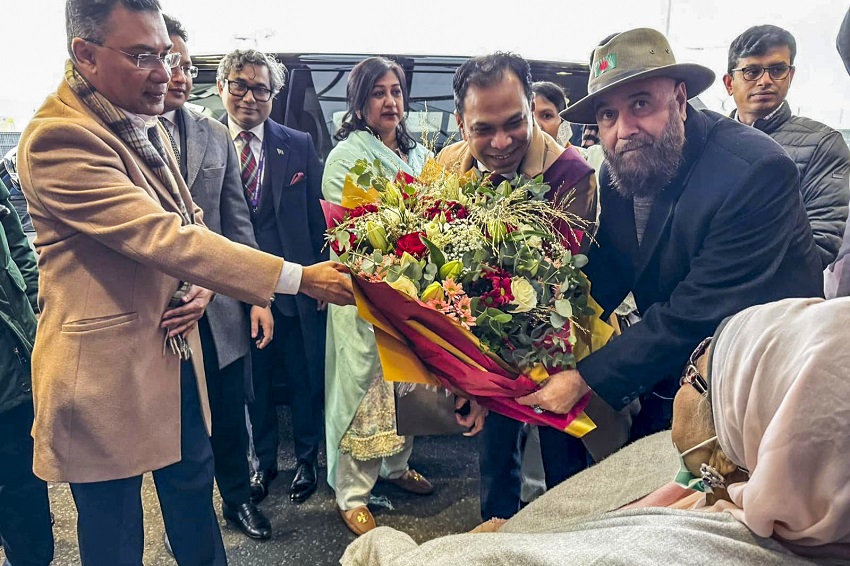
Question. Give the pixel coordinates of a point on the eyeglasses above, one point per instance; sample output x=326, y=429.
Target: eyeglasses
x=145, y=60
x=240, y=89
x=188, y=70
x=755, y=72
x=691, y=374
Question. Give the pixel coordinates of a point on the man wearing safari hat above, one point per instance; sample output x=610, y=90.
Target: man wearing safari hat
x=701, y=217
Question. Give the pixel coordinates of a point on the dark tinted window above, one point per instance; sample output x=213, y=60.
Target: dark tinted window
x=313, y=99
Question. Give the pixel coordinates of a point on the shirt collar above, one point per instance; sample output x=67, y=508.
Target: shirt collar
x=480, y=166
x=141, y=121
x=768, y=117
x=170, y=116
x=235, y=130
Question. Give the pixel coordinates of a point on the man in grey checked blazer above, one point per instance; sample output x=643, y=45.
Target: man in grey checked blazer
x=209, y=164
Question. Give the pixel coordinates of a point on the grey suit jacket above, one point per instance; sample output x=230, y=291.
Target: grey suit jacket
x=216, y=186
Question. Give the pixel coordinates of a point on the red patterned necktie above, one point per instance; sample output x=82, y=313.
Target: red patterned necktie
x=248, y=163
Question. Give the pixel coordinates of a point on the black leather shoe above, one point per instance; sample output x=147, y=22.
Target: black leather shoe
x=304, y=484
x=260, y=482
x=249, y=520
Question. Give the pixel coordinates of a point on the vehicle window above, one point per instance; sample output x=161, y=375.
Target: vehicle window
x=314, y=101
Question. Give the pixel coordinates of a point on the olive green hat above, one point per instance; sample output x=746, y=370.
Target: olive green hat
x=635, y=54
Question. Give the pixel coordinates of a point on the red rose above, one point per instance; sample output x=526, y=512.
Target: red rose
x=412, y=244
x=361, y=210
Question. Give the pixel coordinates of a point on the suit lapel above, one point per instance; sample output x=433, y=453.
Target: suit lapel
x=195, y=139
x=622, y=232
x=276, y=147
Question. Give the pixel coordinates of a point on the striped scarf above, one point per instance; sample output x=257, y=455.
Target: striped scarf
x=137, y=139
x=134, y=137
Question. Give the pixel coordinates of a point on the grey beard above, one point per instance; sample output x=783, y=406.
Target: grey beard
x=658, y=164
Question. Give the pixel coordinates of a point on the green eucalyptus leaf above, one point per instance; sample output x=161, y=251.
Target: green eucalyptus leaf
x=564, y=308
x=580, y=260
x=557, y=320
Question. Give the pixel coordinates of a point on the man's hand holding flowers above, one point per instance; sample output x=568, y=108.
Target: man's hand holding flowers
x=559, y=393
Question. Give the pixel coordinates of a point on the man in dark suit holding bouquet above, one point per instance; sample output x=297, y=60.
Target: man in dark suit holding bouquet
x=281, y=178
x=701, y=218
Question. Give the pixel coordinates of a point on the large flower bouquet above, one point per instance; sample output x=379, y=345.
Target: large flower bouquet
x=471, y=285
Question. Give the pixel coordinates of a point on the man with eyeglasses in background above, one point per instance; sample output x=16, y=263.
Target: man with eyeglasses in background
x=281, y=177
x=760, y=71
x=210, y=167
x=125, y=262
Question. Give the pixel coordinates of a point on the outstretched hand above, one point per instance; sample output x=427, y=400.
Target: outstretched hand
x=327, y=281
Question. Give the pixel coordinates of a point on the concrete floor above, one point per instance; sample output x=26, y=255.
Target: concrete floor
x=312, y=533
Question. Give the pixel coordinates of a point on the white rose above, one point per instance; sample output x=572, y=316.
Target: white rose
x=405, y=285
x=525, y=297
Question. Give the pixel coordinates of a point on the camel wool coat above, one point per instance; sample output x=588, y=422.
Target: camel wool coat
x=112, y=250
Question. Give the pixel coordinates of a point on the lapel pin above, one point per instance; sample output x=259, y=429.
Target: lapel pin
x=279, y=151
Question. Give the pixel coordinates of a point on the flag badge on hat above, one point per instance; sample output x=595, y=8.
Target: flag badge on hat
x=605, y=64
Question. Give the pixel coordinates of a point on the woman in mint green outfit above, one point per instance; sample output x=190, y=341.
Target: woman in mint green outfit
x=362, y=443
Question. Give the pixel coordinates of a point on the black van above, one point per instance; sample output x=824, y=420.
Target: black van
x=313, y=99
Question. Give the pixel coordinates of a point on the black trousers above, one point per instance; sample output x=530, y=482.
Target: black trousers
x=284, y=359
x=110, y=525
x=500, y=460
x=226, y=391
x=24, y=508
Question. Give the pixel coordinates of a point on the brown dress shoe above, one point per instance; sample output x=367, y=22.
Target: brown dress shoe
x=358, y=520
x=414, y=482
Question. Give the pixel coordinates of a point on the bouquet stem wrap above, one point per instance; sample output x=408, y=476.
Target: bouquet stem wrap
x=420, y=345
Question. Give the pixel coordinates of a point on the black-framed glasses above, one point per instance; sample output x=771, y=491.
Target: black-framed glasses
x=188, y=70
x=240, y=89
x=755, y=72
x=145, y=60
x=691, y=374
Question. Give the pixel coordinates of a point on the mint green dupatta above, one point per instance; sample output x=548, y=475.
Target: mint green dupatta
x=351, y=356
